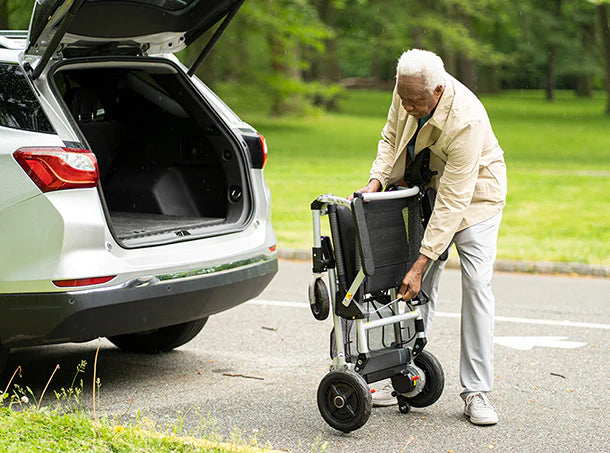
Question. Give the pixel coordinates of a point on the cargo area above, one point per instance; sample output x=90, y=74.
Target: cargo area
x=169, y=168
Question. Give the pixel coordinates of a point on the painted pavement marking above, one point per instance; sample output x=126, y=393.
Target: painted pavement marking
x=541, y=322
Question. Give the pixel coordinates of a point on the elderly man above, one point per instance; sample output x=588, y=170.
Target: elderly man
x=431, y=109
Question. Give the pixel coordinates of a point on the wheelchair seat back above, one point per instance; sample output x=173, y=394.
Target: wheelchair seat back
x=382, y=237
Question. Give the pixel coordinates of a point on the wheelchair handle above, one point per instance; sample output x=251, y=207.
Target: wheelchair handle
x=401, y=192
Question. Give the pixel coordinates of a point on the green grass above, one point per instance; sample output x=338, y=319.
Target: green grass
x=557, y=154
x=66, y=425
x=28, y=430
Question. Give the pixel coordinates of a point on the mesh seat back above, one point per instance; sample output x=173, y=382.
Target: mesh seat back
x=389, y=236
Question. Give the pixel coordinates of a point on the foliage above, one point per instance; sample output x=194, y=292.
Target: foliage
x=280, y=46
x=19, y=12
x=557, y=156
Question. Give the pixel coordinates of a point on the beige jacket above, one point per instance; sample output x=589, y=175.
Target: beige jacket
x=471, y=180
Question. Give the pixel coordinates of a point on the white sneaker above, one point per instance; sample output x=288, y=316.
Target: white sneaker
x=382, y=396
x=480, y=410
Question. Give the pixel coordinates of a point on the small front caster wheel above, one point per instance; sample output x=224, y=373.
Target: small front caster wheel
x=319, y=301
x=344, y=400
x=403, y=405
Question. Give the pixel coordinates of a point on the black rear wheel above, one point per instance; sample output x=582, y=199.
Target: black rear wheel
x=159, y=340
x=434, y=380
x=344, y=400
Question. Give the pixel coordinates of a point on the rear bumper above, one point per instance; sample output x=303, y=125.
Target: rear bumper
x=139, y=305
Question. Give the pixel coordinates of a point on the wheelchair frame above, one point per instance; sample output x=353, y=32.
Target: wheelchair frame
x=349, y=374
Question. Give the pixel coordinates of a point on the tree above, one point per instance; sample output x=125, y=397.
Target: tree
x=603, y=12
x=266, y=47
x=586, y=61
x=4, y=24
x=553, y=47
x=325, y=65
x=18, y=13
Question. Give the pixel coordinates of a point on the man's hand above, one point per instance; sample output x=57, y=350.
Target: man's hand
x=374, y=185
x=411, y=283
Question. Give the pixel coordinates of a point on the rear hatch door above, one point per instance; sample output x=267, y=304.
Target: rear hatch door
x=122, y=27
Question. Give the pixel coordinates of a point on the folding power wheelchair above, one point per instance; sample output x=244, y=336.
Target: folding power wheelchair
x=375, y=239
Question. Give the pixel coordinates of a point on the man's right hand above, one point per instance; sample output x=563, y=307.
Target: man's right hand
x=374, y=185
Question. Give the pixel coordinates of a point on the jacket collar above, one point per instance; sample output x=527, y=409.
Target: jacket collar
x=443, y=107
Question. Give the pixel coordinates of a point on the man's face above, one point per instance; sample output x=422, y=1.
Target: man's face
x=415, y=98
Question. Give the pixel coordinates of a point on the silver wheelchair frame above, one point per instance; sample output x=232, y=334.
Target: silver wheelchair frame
x=349, y=376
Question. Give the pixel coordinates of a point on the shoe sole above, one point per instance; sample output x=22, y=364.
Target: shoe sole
x=481, y=421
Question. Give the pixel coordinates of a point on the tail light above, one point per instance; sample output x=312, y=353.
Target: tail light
x=263, y=143
x=72, y=283
x=59, y=168
x=258, y=149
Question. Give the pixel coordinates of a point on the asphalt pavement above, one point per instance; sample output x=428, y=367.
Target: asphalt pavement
x=253, y=372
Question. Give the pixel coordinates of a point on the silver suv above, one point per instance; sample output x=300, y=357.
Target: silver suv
x=132, y=199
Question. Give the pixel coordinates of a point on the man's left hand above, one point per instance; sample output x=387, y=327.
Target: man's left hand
x=411, y=283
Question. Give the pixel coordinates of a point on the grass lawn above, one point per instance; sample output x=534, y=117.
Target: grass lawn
x=558, y=158
x=28, y=430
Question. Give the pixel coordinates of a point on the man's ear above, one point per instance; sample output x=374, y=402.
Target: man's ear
x=439, y=89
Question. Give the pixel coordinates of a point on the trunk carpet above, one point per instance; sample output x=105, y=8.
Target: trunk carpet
x=129, y=225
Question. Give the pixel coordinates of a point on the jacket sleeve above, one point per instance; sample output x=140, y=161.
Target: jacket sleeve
x=455, y=189
x=386, y=149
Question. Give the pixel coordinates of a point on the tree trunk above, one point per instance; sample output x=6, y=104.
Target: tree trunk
x=451, y=63
x=551, y=76
x=468, y=72
x=285, y=58
x=585, y=84
x=325, y=67
x=488, y=80
x=603, y=11
x=4, y=25
x=551, y=73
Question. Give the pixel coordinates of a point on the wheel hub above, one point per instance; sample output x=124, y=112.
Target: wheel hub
x=410, y=382
x=339, y=401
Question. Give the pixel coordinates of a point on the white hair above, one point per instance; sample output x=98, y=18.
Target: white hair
x=424, y=64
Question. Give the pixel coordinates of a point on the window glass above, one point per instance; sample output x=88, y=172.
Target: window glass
x=171, y=5
x=225, y=111
x=19, y=108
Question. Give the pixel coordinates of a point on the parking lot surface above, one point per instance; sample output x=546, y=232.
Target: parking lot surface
x=254, y=372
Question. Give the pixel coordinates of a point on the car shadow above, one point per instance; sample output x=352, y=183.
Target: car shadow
x=58, y=366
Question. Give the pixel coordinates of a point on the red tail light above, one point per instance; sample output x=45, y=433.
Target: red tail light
x=263, y=148
x=59, y=168
x=82, y=281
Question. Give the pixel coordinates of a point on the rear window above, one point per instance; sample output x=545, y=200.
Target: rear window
x=171, y=5
x=19, y=108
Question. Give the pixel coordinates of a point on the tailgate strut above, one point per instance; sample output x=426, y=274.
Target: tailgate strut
x=214, y=39
x=56, y=39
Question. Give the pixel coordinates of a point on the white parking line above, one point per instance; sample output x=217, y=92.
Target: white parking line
x=540, y=322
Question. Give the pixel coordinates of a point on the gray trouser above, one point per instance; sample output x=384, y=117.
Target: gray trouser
x=476, y=247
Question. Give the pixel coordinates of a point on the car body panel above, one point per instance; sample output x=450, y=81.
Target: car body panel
x=75, y=243
x=47, y=318
x=151, y=26
x=15, y=186
x=65, y=235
